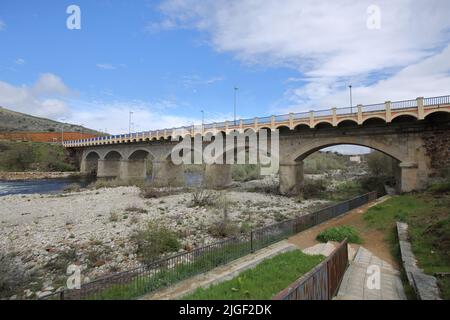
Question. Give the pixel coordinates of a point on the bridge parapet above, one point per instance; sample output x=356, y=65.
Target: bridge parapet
x=387, y=111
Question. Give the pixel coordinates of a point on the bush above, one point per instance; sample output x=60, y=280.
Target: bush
x=134, y=209
x=150, y=192
x=314, y=187
x=13, y=276
x=339, y=234
x=223, y=229
x=153, y=241
x=245, y=172
x=380, y=164
x=202, y=197
x=73, y=187
x=369, y=184
x=440, y=187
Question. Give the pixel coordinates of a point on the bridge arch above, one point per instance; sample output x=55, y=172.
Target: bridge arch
x=305, y=150
x=404, y=116
x=406, y=169
x=346, y=122
x=113, y=155
x=89, y=164
x=375, y=120
x=442, y=112
x=323, y=124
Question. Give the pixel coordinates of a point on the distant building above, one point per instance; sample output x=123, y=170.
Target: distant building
x=355, y=158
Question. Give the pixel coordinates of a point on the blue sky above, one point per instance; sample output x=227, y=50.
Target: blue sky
x=167, y=60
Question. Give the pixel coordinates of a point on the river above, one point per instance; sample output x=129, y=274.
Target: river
x=55, y=186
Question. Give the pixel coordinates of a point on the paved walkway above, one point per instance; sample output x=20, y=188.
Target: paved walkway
x=354, y=285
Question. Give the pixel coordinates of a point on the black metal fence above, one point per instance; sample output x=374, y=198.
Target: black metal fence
x=162, y=273
x=322, y=282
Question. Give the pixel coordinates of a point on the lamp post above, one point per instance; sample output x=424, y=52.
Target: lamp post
x=235, y=92
x=129, y=122
x=62, y=130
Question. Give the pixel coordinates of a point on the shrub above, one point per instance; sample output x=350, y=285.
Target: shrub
x=314, y=187
x=113, y=216
x=379, y=164
x=339, y=234
x=440, y=187
x=73, y=187
x=61, y=261
x=153, y=241
x=223, y=229
x=13, y=275
x=150, y=192
x=202, y=197
x=369, y=184
x=245, y=172
x=134, y=209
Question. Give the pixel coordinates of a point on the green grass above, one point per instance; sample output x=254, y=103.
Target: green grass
x=262, y=282
x=339, y=234
x=140, y=286
x=428, y=217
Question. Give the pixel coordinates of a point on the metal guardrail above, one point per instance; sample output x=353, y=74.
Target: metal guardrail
x=169, y=270
x=322, y=282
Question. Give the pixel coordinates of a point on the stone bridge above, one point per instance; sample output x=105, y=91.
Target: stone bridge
x=416, y=133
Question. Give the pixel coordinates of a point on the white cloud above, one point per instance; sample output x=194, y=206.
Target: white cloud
x=19, y=61
x=106, y=66
x=44, y=98
x=329, y=43
x=195, y=80
x=114, y=116
x=2, y=25
x=50, y=97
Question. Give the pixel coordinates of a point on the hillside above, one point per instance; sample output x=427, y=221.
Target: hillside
x=11, y=121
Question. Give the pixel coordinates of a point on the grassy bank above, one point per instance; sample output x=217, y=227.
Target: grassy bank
x=428, y=217
x=262, y=282
x=33, y=156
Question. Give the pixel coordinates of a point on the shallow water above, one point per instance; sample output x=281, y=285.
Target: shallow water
x=49, y=186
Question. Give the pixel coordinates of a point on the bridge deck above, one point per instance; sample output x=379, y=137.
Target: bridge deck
x=388, y=111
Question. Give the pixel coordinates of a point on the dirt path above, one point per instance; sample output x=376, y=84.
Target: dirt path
x=373, y=240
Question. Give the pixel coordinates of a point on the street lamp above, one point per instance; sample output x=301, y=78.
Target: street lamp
x=62, y=130
x=203, y=117
x=235, y=92
x=129, y=122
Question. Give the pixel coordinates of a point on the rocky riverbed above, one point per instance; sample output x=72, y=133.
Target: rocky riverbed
x=35, y=175
x=92, y=228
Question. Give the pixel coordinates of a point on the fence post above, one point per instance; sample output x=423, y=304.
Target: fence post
x=251, y=241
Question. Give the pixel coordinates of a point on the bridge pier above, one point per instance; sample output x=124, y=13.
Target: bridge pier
x=88, y=167
x=217, y=175
x=133, y=169
x=108, y=168
x=291, y=178
x=166, y=173
x=407, y=177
